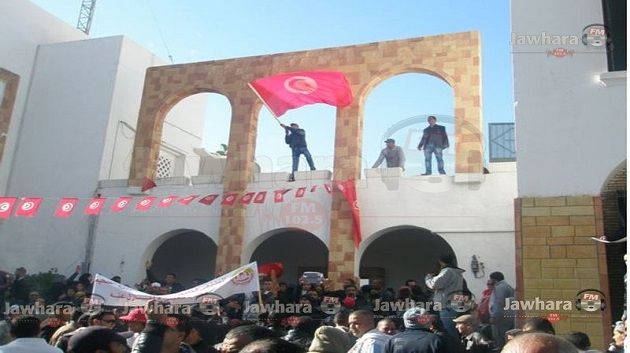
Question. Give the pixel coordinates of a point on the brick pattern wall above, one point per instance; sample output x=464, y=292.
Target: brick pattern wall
x=556, y=258
x=6, y=104
x=455, y=58
x=614, y=252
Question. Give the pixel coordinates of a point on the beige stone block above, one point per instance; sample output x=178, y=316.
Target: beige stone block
x=581, y=251
x=559, y=240
x=579, y=200
x=573, y=211
x=535, y=211
x=552, y=221
x=536, y=252
x=536, y=231
x=550, y=201
x=581, y=220
x=562, y=231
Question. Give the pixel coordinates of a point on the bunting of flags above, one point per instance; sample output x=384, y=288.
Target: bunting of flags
x=66, y=207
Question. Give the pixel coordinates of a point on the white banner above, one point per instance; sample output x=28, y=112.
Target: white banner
x=242, y=280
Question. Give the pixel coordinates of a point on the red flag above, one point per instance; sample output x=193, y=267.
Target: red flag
x=6, y=206
x=229, y=199
x=188, y=199
x=328, y=188
x=313, y=188
x=145, y=204
x=28, y=207
x=300, y=192
x=65, y=207
x=209, y=199
x=121, y=203
x=295, y=89
x=94, y=206
x=247, y=198
x=147, y=184
x=167, y=201
x=265, y=269
x=260, y=197
x=279, y=195
x=349, y=191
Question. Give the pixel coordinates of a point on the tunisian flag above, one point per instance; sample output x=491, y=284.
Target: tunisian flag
x=295, y=89
x=349, y=191
x=66, y=206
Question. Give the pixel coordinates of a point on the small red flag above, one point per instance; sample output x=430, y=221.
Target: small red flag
x=328, y=188
x=167, y=201
x=300, y=192
x=260, y=197
x=94, y=206
x=188, y=199
x=229, y=199
x=247, y=198
x=279, y=195
x=28, y=207
x=295, y=89
x=145, y=204
x=148, y=184
x=208, y=199
x=121, y=203
x=6, y=206
x=65, y=207
x=349, y=191
x=313, y=188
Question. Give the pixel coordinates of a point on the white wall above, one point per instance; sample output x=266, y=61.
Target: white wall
x=570, y=129
x=24, y=26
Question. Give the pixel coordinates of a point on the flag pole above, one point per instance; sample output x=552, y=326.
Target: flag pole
x=264, y=103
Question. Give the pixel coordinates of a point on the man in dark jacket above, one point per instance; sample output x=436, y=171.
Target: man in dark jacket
x=170, y=281
x=296, y=139
x=434, y=140
x=416, y=338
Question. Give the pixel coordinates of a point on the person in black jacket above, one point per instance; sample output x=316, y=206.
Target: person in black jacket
x=434, y=140
x=170, y=281
x=296, y=139
x=417, y=337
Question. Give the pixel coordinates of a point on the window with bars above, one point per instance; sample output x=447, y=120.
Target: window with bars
x=164, y=167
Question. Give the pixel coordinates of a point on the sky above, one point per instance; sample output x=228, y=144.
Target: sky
x=205, y=30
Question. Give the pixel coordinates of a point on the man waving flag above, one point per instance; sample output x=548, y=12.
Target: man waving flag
x=295, y=89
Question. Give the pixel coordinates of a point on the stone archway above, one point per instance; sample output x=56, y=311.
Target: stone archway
x=400, y=253
x=455, y=57
x=8, y=92
x=297, y=249
x=189, y=254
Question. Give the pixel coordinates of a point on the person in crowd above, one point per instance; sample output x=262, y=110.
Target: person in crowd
x=340, y=320
x=330, y=340
x=25, y=331
x=117, y=279
x=136, y=320
x=240, y=336
x=302, y=333
x=102, y=318
x=19, y=288
x=472, y=340
x=451, y=344
x=170, y=281
x=200, y=339
x=581, y=341
x=63, y=312
x=434, y=140
x=417, y=293
x=352, y=300
x=538, y=342
x=510, y=334
x=369, y=339
x=271, y=345
x=393, y=155
x=296, y=139
x=86, y=281
x=387, y=326
x=70, y=326
x=538, y=324
x=417, y=337
x=619, y=336
x=276, y=322
x=449, y=279
x=502, y=320
x=483, y=309
x=5, y=283
x=5, y=324
x=97, y=340
x=68, y=295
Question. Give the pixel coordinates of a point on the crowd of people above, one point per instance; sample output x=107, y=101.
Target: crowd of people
x=351, y=319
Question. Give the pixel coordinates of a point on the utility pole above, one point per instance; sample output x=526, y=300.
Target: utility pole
x=85, y=15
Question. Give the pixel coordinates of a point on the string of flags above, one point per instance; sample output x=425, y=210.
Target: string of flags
x=29, y=206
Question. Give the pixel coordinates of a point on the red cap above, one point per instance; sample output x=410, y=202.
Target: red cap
x=135, y=315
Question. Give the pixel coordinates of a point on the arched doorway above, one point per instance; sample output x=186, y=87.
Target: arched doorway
x=402, y=253
x=615, y=216
x=297, y=249
x=189, y=254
